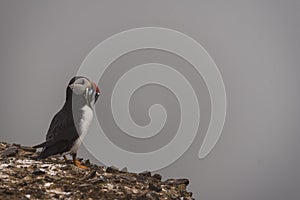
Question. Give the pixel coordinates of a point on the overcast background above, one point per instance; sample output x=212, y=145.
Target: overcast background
x=255, y=44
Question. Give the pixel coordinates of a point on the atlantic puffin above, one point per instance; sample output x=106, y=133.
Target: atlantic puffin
x=70, y=124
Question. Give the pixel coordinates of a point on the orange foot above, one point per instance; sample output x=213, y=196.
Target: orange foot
x=78, y=164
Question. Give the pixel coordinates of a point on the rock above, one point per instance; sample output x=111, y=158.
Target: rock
x=154, y=187
x=3, y=145
x=30, y=149
x=142, y=178
x=22, y=177
x=157, y=176
x=112, y=169
x=176, y=182
x=145, y=173
x=91, y=175
x=38, y=172
x=124, y=169
x=10, y=151
x=87, y=162
x=148, y=196
x=102, y=179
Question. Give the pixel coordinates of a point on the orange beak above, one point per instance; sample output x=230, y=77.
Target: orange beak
x=96, y=88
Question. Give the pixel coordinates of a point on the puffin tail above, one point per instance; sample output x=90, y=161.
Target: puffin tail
x=42, y=156
x=51, y=149
x=40, y=145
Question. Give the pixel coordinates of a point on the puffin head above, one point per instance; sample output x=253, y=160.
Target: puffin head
x=83, y=88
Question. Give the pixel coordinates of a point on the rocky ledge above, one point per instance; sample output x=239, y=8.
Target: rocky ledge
x=23, y=177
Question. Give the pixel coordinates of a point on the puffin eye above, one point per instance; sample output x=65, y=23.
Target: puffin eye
x=83, y=81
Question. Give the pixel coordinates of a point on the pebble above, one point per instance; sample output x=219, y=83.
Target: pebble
x=145, y=173
x=10, y=151
x=176, y=182
x=157, y=176
x=112, y=169
x=154, y=187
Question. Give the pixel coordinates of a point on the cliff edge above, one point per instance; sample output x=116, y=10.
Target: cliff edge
x=23, y=177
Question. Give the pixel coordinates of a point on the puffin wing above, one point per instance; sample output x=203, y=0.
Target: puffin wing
x=61, y=135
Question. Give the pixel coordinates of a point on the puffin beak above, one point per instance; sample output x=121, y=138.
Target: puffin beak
x=92, y=93
x=96, y=90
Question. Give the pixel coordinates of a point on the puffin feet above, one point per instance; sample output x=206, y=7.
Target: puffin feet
x=77, y=163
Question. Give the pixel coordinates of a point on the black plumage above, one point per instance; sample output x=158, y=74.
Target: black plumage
x=64, y=129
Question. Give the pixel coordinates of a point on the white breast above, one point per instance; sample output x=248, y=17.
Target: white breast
x=86, y=119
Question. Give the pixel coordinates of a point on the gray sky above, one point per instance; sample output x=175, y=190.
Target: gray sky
x=255, y=45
